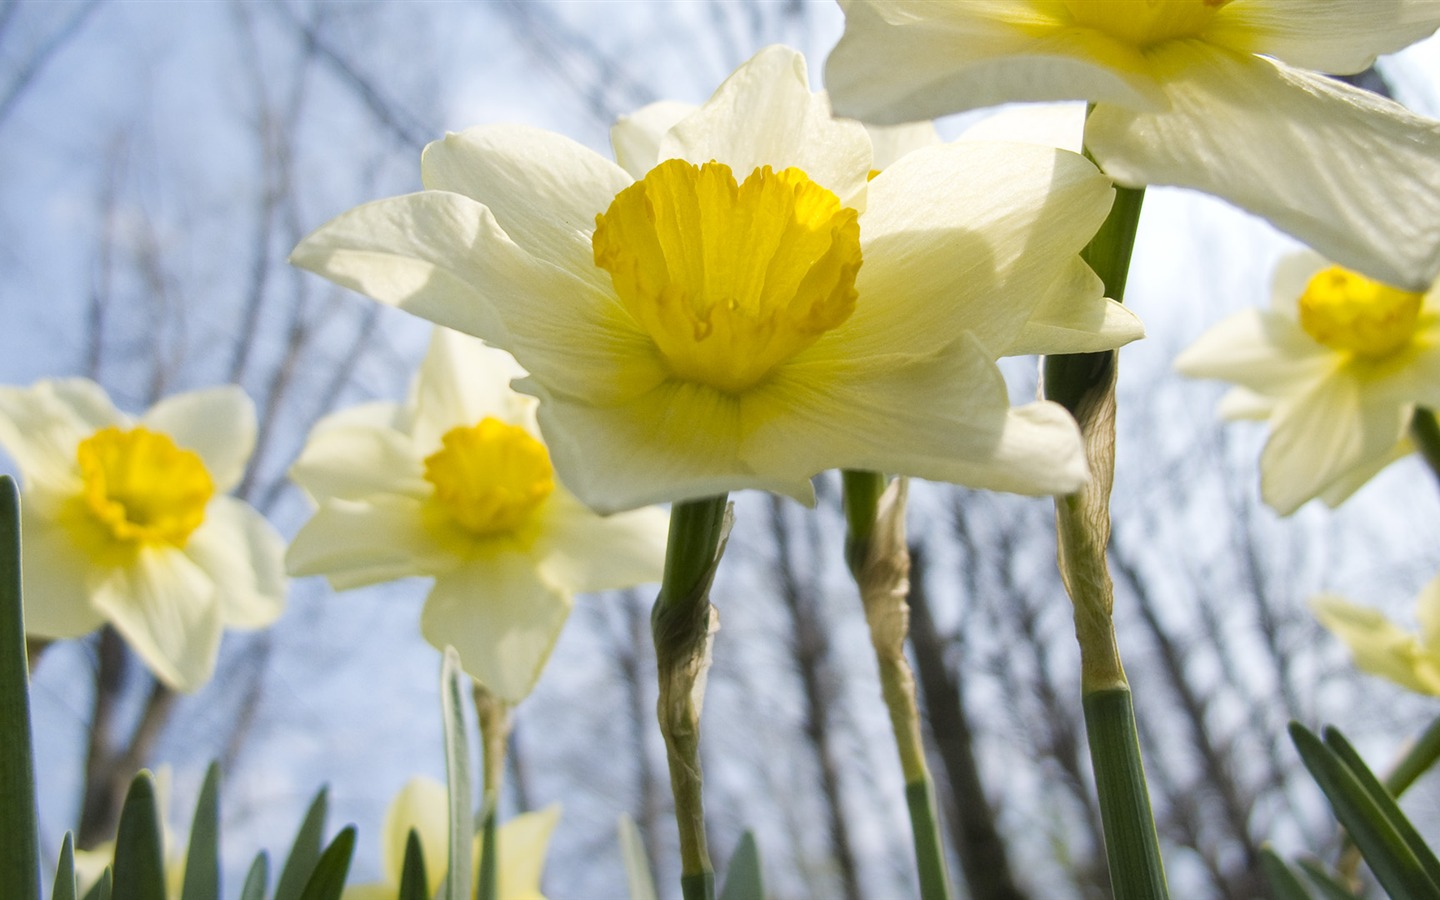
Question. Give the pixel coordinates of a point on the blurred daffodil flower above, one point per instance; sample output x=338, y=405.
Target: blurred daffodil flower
x=128, y=521
x=1223, y=96
x=1337, y=366
x=456, y=484
x=752, y=309
x=1381, y=647
x=422, y=805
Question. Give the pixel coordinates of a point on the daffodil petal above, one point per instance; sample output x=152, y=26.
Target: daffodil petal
x=1243, y=403
x=438, y=255
x=244, y=557
x=765, y=115
x=1341, y=37
x=1076, y=317
x=40, y=427
x=544, y=189
x=1268, y=354
x=355, y=544
x=943, y=418
x=1378, y=645
x=1351, y=480
x=890, y=142
x=946, y=251
x=423, y=804
x=501, y=618
x=679, y=441
x=917, y=59
x=1427, y=612
x=586, y=552
x=1352, y=174
x=1047, y=124
x=217, y=423
x=57, y=595
x=357, y=452
x=460, y=382
x=521, y=843
x=636, y=138
x=167, y=609
x=1317, y=436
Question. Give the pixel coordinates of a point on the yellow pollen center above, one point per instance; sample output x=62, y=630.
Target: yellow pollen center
x=730, y=280
x=141, y=487
x=1144, y=23
x=1347, y=311
x=489, y=477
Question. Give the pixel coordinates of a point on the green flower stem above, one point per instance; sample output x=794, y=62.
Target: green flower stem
x=1085, y=385
x=493, y=716
x=1130, y=841
x=879, y=559
x=20, y=849
x=682, y=622
x=1425, y=432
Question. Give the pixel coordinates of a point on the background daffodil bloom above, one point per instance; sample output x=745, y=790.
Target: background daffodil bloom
x=456, y=484
x=1337, y=366
x=753, y=310
x=1381, y=647
x=128, y=521
x=1223, y=96
x=423, y=805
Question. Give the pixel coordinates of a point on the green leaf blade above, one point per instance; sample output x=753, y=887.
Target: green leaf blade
x=414, y=881
x=744, y=879
x=459, y=877
x=637, y=862
x=202, y=859
x=327, y=880
x=305, y=851
x=65, y=888
x=139, y=845
x=20, y=850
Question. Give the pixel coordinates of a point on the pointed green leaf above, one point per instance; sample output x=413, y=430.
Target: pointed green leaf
x=488, y=886
x=1330, y=887
x=139, y=845
x=327, y=881
x=65, y=871
x=100, y=890
x=637, y=862
x=1284, y=883
x=414, y=884
x=1386, y=803
x=743, y=878
x=20, y=850
x=1390, y=858
x=257, y=879
x=457, y=769
x=305, y=852
x=202, y=860
x=1417, y=760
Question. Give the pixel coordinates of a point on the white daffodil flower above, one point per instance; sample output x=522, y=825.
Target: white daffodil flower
x=456, y=484
x=1223, y=96
x=423, y=805
x=127, y=521
x=1381, y=647
x=753, y=310
x=1337, y=366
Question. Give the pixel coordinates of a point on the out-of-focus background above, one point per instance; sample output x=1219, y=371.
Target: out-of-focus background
x=162, y=158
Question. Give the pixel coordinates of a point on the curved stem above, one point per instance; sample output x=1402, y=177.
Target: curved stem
x=492, y=715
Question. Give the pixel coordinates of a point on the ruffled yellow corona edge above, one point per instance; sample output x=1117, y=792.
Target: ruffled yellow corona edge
x=738, y=304
x=128, y=521
x=455, y=484
x=1224, y=96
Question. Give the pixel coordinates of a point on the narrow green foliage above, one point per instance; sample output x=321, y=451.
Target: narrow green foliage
x=1284, y=883
x=327, y=880
x=100, y=890
x=1383, y=799
x=1330, y=887
x=1425, y=432
x=20, y=850
x=202, y=859
x=637, y=863
x=1421, y=756
x=65, y=871
x=489, y=885
x=861, y=491
x=457, y=769
x=305, y=851
x=257, y=879
x=414, y=883
x=1368, y=818
x=744, y=879
x=1131, y=845
x=139, y=845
